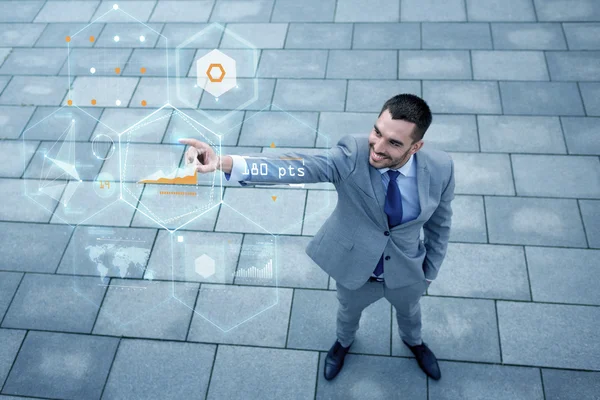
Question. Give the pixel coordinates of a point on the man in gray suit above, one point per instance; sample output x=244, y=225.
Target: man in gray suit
x=387, y=191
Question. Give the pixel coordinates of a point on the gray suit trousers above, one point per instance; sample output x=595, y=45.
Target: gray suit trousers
x=404, y=299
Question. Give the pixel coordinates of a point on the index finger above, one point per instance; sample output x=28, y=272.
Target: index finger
x=193, y=142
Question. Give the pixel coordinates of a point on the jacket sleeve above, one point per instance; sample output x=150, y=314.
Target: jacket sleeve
x=437, y=230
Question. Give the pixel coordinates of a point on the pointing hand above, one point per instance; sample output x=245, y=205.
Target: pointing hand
x=201, y=155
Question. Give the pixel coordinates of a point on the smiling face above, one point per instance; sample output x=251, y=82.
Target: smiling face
x=391, y=142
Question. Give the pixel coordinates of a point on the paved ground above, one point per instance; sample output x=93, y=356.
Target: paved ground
x=514, y=86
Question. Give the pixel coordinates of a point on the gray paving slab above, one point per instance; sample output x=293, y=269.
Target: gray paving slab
x=145, y=369
x=562, y=384
x=443, y=35
x=103, y=61
x=318, y=35
x=528, y=36
x=563, y=275
x=10, y=343
x=462, y=97
x=456, y=329
x=581, y=135
x=452, y=133
x=406, y=35
x=481, y=173
x=20, y=35
x=367, y=11
x=55, y=303
x=34, y=61
x=334, y=125
x=580, y=36
x=294, y=267
x=370, y=95
x=534, y=221
x=246, y=61
x=312, y=324
x=261, y=36
x=292, y=64
x=319, y=206
x=146, y=309
x=9, y=281
x=556, y=10
x=574, y=65
x=281, y=128
x=541, y=98
x=19, y=255
x=198, y=34
x=156, y=62
x=233, y=379
x=309, y=95
x=520, y=134
x=468, y=220
x=481, y=381
x=15, y=156
x=20, y=11
x=307, y=11
x=139, y=10
x=91, y=205
x=369, y=377
x=182, y=11
x=430, y=64
x=102, y=252
x=432, y=10
x=105, y=91
x=4, y=79
x=496, y=10
x=591, y=95
x=55, y=33
x=225, y=123
x=237, y=216
x=50, y=123
x=34, y=90
x=153, y=91
x=21, y=202
x=250, y=94
x=549, y=335
x=535, y=176
x=483, y=271
x=115, y=121
x=129, y=35
x=590, y=210
x=241, y=315
x=67, y=11
x=358, y=64
x=61, y=365
x=510, y=65
x=242, y=11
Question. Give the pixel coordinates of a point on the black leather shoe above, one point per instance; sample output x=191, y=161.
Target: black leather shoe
x=426, y=360
x=335, y=360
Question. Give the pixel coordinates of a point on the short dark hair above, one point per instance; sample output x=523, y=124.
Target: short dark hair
x=411, y=108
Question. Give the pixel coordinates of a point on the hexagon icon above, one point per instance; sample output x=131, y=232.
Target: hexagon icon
x=216, y=73
x=204, y=266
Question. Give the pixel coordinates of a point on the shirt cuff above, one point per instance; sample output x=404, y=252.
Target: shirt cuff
x=238, y=169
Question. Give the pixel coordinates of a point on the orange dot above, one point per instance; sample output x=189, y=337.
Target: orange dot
x=92, y=38
x=143, y=70
x=68, y=39
x=144, y=103
x=93, y=102
x=117, y=70
x=70, y=102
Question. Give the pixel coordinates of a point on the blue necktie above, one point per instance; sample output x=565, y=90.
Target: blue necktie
x=393, y=209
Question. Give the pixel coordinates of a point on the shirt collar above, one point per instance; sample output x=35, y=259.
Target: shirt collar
x=404, y=170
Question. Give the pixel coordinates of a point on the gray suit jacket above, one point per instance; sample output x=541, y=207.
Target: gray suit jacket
x=351, y=241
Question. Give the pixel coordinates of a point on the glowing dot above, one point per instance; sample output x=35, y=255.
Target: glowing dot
x=143, y=70
x=116, y=38
x=70, y=102
x=117, y=70
x=142, y=38
x=93, y=102
x=237, y=87
x=144, y=104
x=115, y=6
x=92, y=39
x=118, y=102
x=68, y=39
x=216, y=99
x=93, y=70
